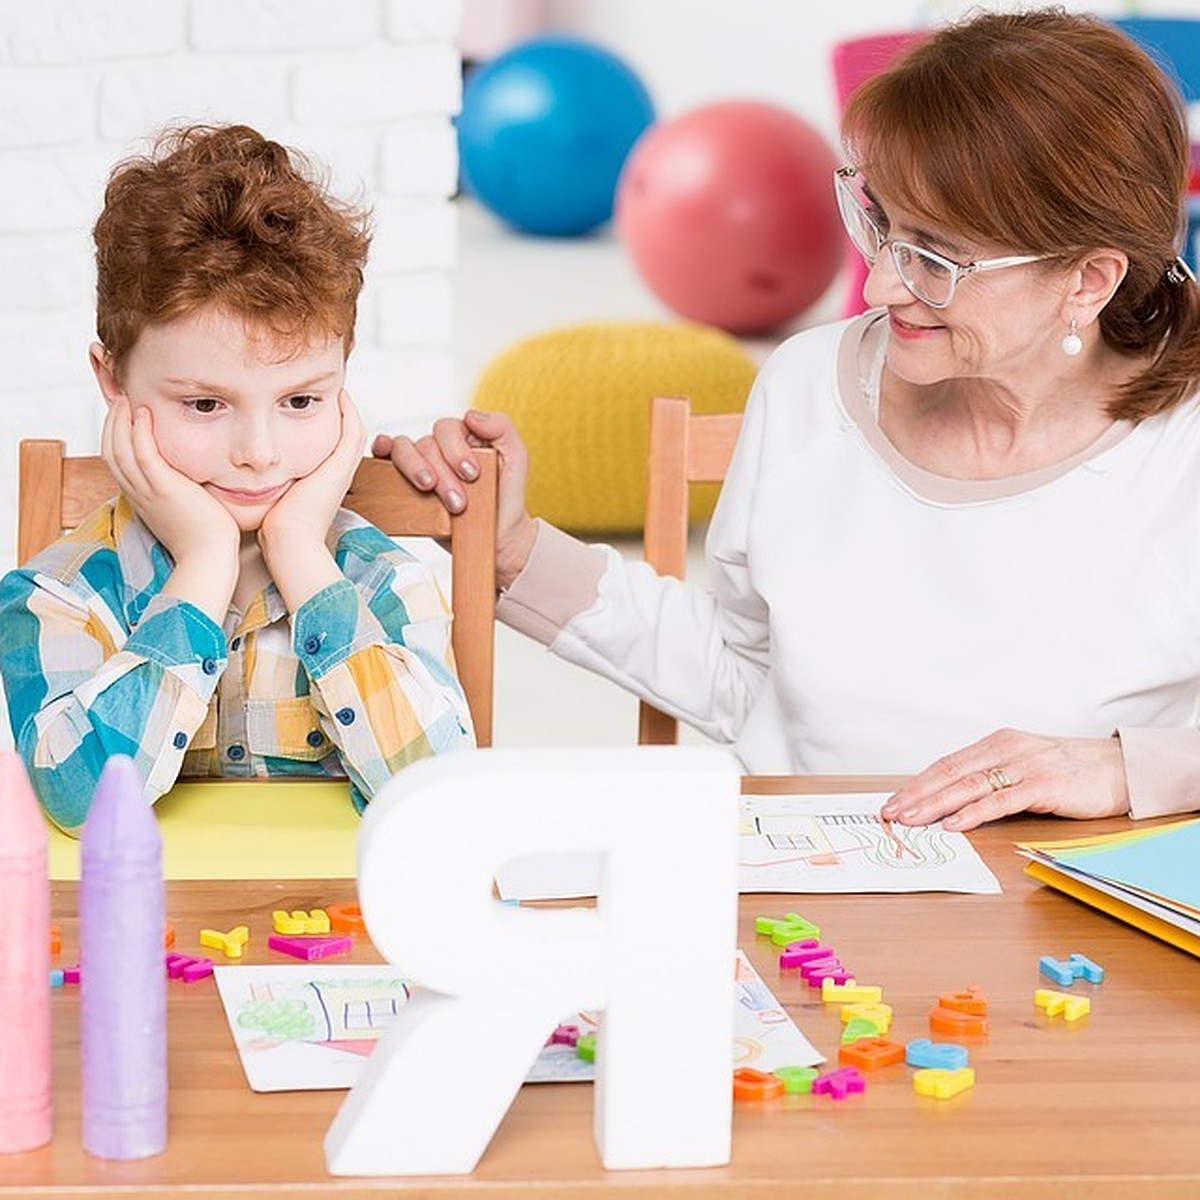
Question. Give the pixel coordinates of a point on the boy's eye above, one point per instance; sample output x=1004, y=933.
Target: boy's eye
x=300, y=403
x=205, y=404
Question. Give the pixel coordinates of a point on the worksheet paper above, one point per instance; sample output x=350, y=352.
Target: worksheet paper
x=310, y=1027
x=834, y=843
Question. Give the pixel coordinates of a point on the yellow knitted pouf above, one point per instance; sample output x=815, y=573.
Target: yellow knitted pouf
x=580, y=398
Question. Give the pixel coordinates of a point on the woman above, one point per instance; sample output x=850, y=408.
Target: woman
x=963, y=529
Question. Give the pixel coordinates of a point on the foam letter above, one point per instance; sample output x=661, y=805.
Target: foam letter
x=664, y=820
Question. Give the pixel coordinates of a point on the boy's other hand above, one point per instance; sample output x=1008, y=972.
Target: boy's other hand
x=438, y=461
x=292, y=534
x=304, y=513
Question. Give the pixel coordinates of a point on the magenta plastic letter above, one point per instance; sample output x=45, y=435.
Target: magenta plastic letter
x=123, y=990
x=25, y=1110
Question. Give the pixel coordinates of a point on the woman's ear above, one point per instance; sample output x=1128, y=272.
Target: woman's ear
x=105, y=376
x=1098, y=276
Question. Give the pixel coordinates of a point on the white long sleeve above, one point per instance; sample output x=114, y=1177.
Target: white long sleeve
x=866, y=616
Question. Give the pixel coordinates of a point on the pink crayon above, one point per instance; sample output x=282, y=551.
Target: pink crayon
x=25, y=1107
x=123, y=987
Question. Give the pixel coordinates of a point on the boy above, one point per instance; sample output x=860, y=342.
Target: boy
x=223, y=615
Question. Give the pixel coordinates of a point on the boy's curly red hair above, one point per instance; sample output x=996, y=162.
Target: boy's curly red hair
x=219, y=215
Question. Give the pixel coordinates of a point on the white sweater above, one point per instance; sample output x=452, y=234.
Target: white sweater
x=867, y=616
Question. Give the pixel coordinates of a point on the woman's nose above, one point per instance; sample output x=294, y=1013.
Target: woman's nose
x=884, y=285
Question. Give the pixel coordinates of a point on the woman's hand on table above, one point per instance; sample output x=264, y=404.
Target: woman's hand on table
x=1010, y=771
x=440, y=461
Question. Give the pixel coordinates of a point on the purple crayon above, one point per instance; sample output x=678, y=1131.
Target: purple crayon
x=25, y=1108
x=123, y=987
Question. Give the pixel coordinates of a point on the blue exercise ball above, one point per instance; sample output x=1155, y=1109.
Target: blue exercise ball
x=544, y=131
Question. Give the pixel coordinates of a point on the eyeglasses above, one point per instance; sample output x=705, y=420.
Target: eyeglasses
x=930, y=277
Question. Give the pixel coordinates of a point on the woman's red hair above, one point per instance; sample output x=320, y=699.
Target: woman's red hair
x=1054, y=134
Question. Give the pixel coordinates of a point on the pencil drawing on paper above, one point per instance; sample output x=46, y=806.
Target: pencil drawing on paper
x=826, y=839
x=344, y=1014
x=313, y=1027
x=839, y=844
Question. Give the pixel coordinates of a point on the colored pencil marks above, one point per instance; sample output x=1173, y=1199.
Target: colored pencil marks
x=840, y=844
x=312, y=1026
x=293, y=1024
x=763, y=1031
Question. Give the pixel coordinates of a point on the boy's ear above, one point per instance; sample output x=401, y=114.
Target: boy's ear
x=105, y=377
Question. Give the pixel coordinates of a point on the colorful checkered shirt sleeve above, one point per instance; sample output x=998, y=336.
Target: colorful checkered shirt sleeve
x=376, y=648
x=93, y=666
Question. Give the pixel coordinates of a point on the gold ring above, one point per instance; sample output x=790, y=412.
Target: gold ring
x=997, y=780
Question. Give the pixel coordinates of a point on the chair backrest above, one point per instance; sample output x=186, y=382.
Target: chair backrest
x=55, y=492
x=683, y=450
x=854, y=61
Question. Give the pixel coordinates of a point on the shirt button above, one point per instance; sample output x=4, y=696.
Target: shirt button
x=180, y=740
x=312, y=644
x=315, y=737
x=209, y=666
x=345, y=715
x=237, y=641
x=236, y=752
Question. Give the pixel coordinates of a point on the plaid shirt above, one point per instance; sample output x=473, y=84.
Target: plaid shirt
x=357, y=682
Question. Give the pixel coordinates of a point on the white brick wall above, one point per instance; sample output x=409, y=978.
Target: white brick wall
x=70, y=32
x=273, y=26
x=366, y=87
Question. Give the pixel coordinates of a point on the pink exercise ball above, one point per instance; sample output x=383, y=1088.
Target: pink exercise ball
x=729, y=215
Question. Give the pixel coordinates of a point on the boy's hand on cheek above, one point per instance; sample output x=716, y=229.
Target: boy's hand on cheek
x=178, y=511
x=292, y=534
x=200, y=535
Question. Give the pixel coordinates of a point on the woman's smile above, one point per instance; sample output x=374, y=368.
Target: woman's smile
x=905, y=329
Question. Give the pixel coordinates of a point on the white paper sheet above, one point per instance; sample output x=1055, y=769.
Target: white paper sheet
x=839, y=844
x=833, y=843
x=310, y=1027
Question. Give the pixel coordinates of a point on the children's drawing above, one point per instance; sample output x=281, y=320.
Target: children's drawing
x=831, y=839
x=340, y=1014
x=295, y=1023
x=311, y=1026
x=763, y=1032
x=560, y=1063
x=832, y=843
x=839, y=844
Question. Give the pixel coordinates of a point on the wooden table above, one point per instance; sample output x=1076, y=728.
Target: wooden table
x=1107, y=1109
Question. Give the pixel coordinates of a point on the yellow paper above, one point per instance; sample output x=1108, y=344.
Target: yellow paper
x=246, y=829
x=1147, y=922
x=1096, y=841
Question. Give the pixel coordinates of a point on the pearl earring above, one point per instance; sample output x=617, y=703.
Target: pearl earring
x=1072, y=344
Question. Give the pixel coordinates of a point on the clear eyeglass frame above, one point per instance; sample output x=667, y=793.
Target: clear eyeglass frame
x=929, y=276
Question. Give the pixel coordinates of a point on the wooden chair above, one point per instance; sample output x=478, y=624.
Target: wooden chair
x=683, y=450
x=56, y=492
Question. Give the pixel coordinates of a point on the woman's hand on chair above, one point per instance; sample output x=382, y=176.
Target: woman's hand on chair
x=441, y=461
